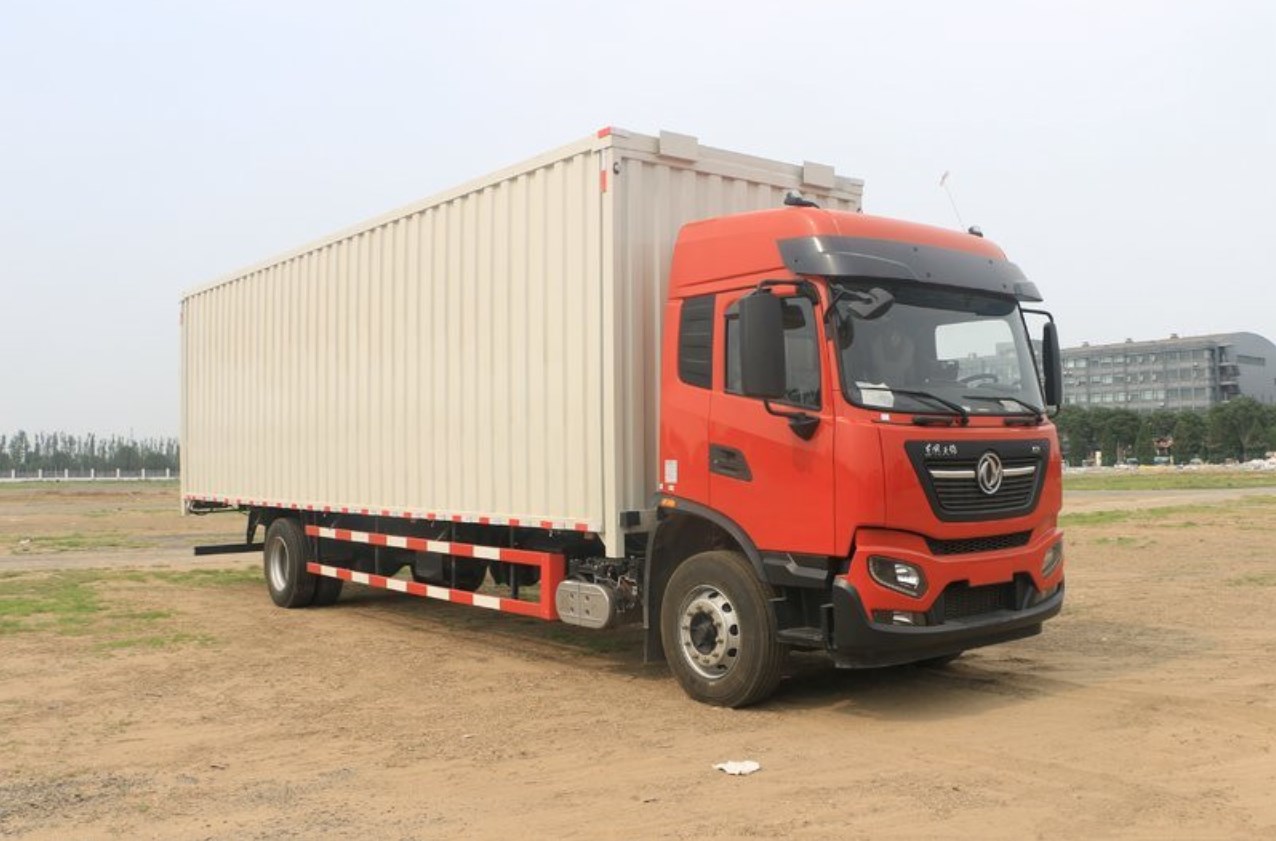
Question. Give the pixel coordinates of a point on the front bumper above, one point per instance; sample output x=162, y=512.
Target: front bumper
x=861, y=637
x=858, y=642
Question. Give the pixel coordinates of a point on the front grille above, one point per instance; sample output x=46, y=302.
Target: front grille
x=962, y=601
x=959, y=493
x=991, y=543
x=949, y=473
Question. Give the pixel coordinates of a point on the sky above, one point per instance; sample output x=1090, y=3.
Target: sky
x=1123, y=154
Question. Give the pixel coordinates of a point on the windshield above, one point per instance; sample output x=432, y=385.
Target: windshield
x=964, y=348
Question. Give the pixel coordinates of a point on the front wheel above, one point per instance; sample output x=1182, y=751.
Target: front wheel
x=719, y=631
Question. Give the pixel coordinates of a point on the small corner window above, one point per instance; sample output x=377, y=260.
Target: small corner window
x=695, y=342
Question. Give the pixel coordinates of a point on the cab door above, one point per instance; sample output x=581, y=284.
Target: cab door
x=772, y=483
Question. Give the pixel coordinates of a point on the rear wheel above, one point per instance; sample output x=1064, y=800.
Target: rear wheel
x=327, y=590
x=284, y=559
x=440, y=570
x=719, y=631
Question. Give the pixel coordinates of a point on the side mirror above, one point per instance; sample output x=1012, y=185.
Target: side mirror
x=762, y=346
x=1052, y=365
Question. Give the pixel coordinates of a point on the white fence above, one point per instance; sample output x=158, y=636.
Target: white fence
x=88, y=475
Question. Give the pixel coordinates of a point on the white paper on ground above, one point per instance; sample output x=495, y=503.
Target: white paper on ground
x=738, y=767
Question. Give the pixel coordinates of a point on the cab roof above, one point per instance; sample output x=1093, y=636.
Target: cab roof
x=806, y=240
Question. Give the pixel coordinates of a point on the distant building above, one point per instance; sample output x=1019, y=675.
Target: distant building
x=1004, y=365
x=1195, y=372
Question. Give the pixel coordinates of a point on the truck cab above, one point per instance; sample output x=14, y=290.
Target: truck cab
x=854, y=434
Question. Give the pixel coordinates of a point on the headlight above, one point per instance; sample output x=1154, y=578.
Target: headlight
x=1054, y=557
x=900, y=576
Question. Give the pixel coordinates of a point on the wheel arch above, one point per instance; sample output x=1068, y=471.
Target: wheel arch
x=683, y=530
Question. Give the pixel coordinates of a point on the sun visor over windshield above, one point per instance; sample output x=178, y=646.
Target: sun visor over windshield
x=831, y=256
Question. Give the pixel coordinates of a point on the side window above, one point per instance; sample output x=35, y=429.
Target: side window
x=801, y=354
x=695, y=342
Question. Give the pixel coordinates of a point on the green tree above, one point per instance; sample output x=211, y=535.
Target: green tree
x=1230, y=427
x=19, y=449
x=1076, y=433
x=1121, y=428
x=1189, y=437
x=1255, y=441
x=1144, y=449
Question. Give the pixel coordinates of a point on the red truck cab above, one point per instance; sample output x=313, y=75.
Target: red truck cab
x=852, y=411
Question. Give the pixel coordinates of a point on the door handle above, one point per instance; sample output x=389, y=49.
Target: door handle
x=730, y=462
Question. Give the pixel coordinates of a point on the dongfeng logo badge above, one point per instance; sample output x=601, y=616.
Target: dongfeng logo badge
x=988, y=473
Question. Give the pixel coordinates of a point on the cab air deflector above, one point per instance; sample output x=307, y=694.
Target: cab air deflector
x=834, y=256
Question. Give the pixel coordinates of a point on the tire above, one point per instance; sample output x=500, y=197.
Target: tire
x=434, y=568
x=284, y=562
x=327, y=590
x=719, y=632
x=470, y=573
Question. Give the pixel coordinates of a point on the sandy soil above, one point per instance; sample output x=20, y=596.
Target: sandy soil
x=1147, y=710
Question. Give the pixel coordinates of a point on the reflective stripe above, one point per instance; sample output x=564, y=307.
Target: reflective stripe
x=524, y=521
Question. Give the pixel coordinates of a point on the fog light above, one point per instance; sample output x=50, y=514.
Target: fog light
x=1054, y=557
x=900, y=576
x=1039, y=596
x=899, y=617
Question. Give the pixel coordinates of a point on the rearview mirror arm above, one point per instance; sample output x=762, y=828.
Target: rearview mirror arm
x=802, y=424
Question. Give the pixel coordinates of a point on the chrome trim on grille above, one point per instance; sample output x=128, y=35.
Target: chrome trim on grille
x=952, y=474
x=970, y=474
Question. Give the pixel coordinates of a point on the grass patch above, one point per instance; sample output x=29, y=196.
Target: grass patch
x=1256, y=579
x=79, y=486
x=1152, y=515
x=119, y=511
x=63, y=601
x=141, y=615
x=75, y=542
x=80, y=603
x=1168, y=480
x=209, y=577
x=1095, y=518
x=153, y=642
x=1121, y=541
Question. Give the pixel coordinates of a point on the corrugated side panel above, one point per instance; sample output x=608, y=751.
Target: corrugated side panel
x=653, y=197
x=442, y=360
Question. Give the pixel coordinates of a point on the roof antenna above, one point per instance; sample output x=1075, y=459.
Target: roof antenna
x=943, y=182
x=794, y=199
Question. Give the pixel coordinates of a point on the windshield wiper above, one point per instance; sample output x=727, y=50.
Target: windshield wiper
x=957, y=410
x=1038, y=414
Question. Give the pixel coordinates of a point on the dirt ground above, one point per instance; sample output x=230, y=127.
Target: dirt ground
x=155, y=698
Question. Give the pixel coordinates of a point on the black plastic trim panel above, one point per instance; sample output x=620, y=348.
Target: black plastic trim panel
x=964, y=455
x=833, y=256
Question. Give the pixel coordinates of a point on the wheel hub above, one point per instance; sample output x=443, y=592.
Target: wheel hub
x=709, y=632
x=278, y=565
